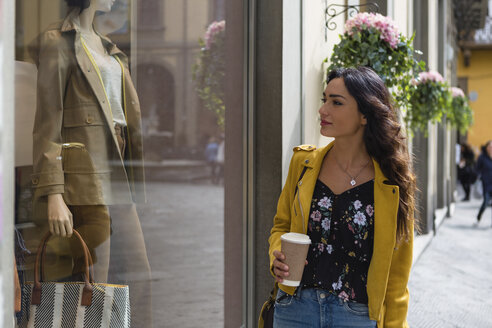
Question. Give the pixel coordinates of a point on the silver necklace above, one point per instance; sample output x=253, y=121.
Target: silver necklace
x=352, y=179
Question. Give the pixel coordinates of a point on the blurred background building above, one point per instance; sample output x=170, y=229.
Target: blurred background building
x=475, y=68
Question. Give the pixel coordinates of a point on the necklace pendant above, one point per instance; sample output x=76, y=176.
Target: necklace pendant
x=352, y=182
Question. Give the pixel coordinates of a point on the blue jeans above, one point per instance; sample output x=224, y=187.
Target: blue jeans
x=316, y=308
x=486, y=200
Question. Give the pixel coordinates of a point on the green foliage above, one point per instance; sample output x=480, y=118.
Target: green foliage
x=396, y=66
x=460, y=114
x=421, y=101
x=429, y=102
x=209, y=76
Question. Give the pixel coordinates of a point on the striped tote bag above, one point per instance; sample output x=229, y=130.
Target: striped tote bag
x=73, y=304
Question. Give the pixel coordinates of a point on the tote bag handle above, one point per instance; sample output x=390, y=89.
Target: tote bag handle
x=39, y=269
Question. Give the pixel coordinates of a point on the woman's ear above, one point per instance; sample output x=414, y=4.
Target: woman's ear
x=363, y=120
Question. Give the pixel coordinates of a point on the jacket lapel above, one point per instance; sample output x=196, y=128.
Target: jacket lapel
x=71, y=24
x=91, y=75
x=306, y=185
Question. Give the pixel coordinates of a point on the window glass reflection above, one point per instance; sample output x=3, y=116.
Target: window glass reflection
x=128, y=148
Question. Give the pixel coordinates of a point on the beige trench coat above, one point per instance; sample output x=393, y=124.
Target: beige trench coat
x=76, y=152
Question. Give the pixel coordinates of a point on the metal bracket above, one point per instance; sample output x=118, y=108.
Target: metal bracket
x=351, y=10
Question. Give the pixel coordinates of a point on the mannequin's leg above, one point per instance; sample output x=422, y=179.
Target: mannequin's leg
x=93, y=223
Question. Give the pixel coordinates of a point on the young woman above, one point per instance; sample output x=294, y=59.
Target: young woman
x=355, y=200
x=484, y=168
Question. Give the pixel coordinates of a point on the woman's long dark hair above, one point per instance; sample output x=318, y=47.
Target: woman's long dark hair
x=383, y=136
x=82, y=4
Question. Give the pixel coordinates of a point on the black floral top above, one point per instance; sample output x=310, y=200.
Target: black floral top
x=341, y=228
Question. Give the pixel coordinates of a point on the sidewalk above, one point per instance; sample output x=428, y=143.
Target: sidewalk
x=183, y=225
x=451, y=283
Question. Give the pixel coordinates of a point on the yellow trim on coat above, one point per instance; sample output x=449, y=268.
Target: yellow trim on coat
x=126, y=116
x=96, y=67
x=94, y=64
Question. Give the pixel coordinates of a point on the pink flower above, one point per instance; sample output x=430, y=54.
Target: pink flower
x=212, y=30
x=386, y=26
x=369, y=210
x=316, y=216
x=432, y=76
x=344, y=296
x=457, y=92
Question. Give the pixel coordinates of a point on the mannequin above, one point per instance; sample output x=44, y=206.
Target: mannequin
x=88, y=157
x=59, y=216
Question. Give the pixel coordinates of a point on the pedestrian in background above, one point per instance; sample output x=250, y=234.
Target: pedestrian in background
x=355, y=200
x=484, y=169
x=220, y=160
x=211, y=151
x=467, y=174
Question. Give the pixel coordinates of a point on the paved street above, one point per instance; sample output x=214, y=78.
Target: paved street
x=451, y=283
x=183, y=225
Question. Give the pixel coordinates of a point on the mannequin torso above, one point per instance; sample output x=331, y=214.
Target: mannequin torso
x=94, y=41
x=60, y=218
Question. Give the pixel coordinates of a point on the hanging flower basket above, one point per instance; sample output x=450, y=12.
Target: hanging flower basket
x=374, y=40
x=209, y=71
x=459, y=114
x=429, y=102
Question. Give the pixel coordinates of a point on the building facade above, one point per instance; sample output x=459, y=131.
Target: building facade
x=474, y=76
x=309, y=33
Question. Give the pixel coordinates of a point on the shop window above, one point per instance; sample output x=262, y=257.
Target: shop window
x=115, y=141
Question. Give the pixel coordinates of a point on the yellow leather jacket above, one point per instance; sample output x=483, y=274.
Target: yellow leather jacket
x=76, y=152
x=390, y=265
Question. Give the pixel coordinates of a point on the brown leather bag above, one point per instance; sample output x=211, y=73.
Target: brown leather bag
x=17, y=300
x=39, y=270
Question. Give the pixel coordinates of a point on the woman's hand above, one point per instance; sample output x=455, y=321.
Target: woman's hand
x=280, y=269
x=59, y=216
